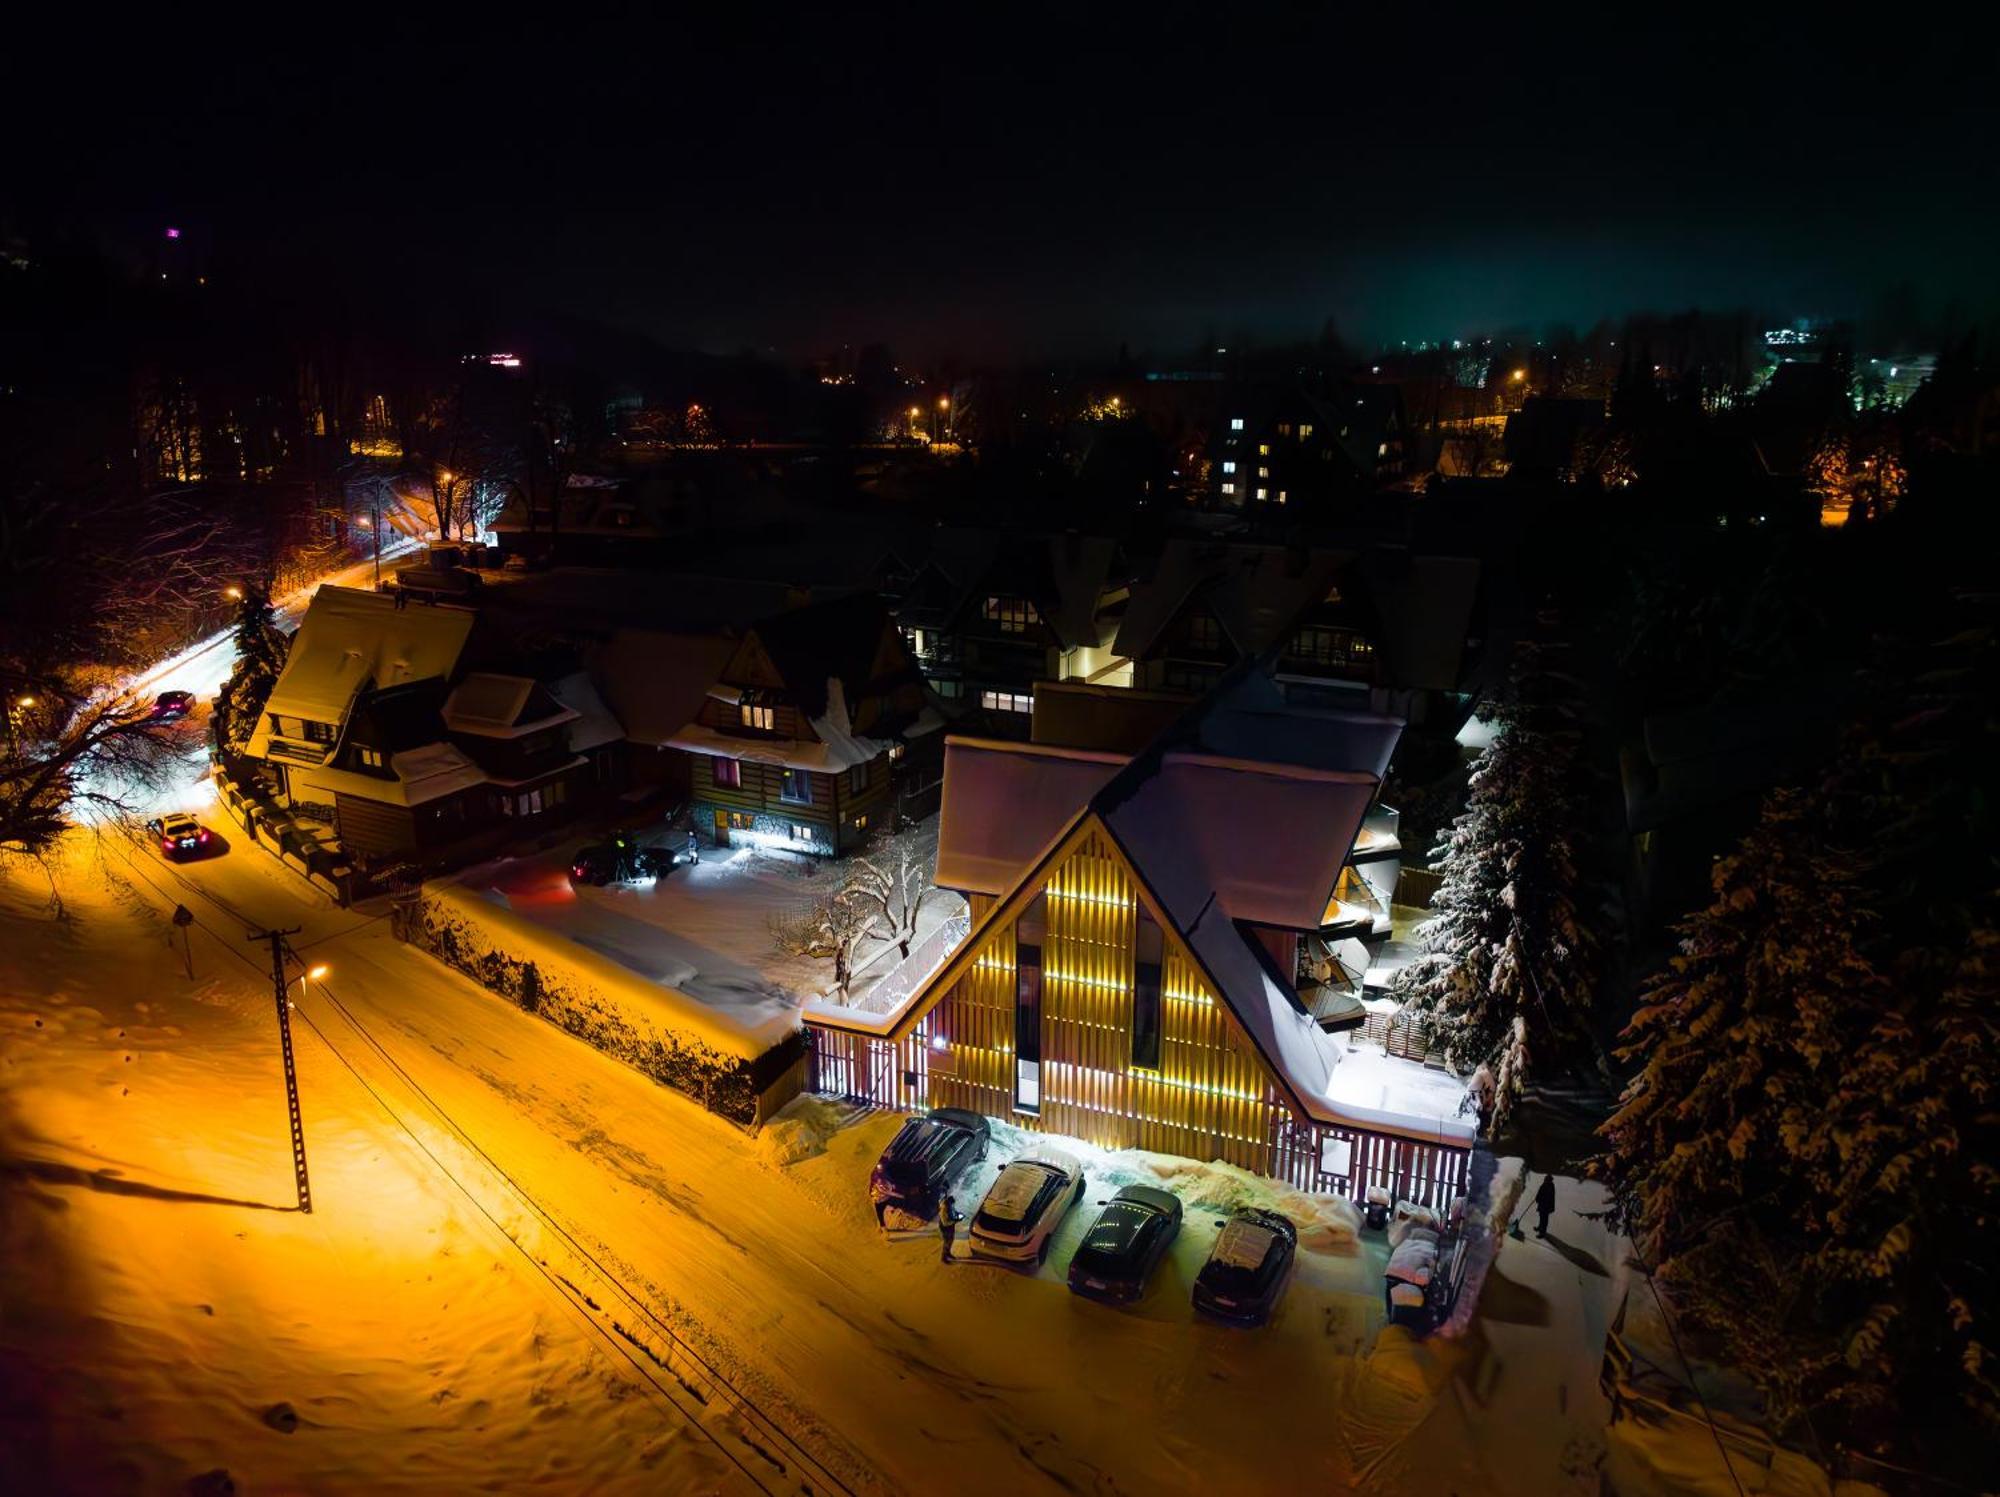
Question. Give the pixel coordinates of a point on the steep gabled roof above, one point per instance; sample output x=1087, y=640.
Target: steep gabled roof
x=350, y=639
x=839, y=640
x=1217, y=844
x=655, y=682
x=1257, y=593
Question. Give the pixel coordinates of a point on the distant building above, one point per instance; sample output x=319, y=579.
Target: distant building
x=1287, y=451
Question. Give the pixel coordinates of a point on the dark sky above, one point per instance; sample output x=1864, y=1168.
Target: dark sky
x=1018, y=178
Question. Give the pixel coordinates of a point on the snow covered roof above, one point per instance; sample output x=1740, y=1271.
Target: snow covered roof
x=489, y=705
x=823, y=757
x=437, y=769
x=655, y=682
x=1222, y=844
x=1004, y=803
x=350, y=638
x=594, y=725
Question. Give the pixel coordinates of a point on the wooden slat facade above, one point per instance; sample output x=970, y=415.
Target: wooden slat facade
x=1212, y=1096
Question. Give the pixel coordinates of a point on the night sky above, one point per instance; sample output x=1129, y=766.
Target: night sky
x=1019, y=180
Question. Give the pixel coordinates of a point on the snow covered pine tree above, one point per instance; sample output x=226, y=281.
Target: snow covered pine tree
x=261, y=648
x=1509, y=970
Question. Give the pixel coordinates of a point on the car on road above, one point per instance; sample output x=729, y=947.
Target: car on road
x=1018, y=1219
x=181, y=836
x=923, y=1161
x=1125, y=1244
x=1248, y=1267
x=171, y=706
x=619, y=861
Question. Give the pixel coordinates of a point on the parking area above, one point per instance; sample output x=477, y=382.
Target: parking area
x=1336, y=1288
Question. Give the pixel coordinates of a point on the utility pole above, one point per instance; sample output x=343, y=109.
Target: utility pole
x=282, y=986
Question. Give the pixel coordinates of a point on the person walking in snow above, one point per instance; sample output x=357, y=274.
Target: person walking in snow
x=948, y=1220
x=1545, y=1202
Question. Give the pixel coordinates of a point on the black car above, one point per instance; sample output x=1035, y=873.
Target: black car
x=619, y=861
x=172, y=706
x=1125, y=1244
x=922, y=1162
x=1247, y=1267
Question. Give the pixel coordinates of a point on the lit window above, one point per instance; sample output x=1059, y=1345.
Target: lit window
x=1013, y=615
x=1305, y=430
x=726, y=772
x=801, y=833
x=1263, y=449
x=1381, y=449
x=1229, y=467
x=1260, y=493
x=1229, y=488
x=1284, y=428
x=1236, y=423
x=1263, y=472
x=896, y=751
x=796, y=787
x=370, y=758
x=1007, y=701
x=861, y=823
x=761, y=718
x=741, y=821
x=1281, y=496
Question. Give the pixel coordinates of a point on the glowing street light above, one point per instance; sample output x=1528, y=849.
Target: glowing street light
x=233, y=593
x=1519, y=375
x=318, y=972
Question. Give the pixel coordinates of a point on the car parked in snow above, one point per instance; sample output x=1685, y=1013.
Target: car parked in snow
x=620, y=861
x=171, y=706
x=1018, y=1219
x=923, y=1161
x=181, y=836
x=1125, y=1244
x=1248, y=1267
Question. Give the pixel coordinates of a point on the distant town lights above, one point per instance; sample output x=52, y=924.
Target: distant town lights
x=173, y=233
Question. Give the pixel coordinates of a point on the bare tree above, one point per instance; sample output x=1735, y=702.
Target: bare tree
x=829, y=925
x=893, y=881
x=61, y=751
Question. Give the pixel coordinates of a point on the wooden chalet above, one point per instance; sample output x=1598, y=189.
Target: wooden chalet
x=1129, y=976
x=803, y=739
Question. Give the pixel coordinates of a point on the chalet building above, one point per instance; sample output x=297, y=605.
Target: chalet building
x=374, y=728
x=804, y=739
x=990, y=615
x=1206, y=606
x=1130, y=974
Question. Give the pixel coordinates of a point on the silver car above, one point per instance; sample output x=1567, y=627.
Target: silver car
x=1018, y=1219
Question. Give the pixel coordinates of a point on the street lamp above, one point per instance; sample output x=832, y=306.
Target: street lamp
x=233, y=593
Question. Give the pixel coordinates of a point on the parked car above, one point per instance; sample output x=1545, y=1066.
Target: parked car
x=1125, y=1244
x=1018, y=1219
x=181, y=836
x=619, y=861
x=923, y=1161
x=172, y=706
x=1247, y=1268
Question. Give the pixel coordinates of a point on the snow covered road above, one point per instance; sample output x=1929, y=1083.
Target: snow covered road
x=882, y=1362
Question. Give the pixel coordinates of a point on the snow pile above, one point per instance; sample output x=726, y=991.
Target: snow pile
x=800, y=1131
x=1324, y=1222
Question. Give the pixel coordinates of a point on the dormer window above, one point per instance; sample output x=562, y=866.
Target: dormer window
x=320, y=732
x=761, y=719
x=368, y=758
x=1013, y=615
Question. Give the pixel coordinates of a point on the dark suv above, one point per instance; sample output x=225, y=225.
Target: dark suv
x=922, y=1162
x=1247, y=1268
x=1125, y=1244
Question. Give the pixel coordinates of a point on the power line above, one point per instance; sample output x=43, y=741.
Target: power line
x=738, y=1399
x=741, y=1400
x=564, y=1291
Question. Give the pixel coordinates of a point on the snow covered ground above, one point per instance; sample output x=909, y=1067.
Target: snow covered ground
x=409, y=1325
x=704, y=930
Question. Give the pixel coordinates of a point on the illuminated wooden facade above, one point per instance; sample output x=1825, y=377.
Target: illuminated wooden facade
x=1208, y=1092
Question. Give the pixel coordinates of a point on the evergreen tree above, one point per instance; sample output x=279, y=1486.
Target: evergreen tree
x=261, y=648
x=1509, y=968
x=1806, y=1154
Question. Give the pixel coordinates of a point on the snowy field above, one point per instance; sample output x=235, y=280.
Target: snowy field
x=704, y=930
x=410, y=1324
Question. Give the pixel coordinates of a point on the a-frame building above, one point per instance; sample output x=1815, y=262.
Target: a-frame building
x=1127, y=977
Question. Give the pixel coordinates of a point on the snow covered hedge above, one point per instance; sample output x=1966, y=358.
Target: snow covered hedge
x=602, y=1004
